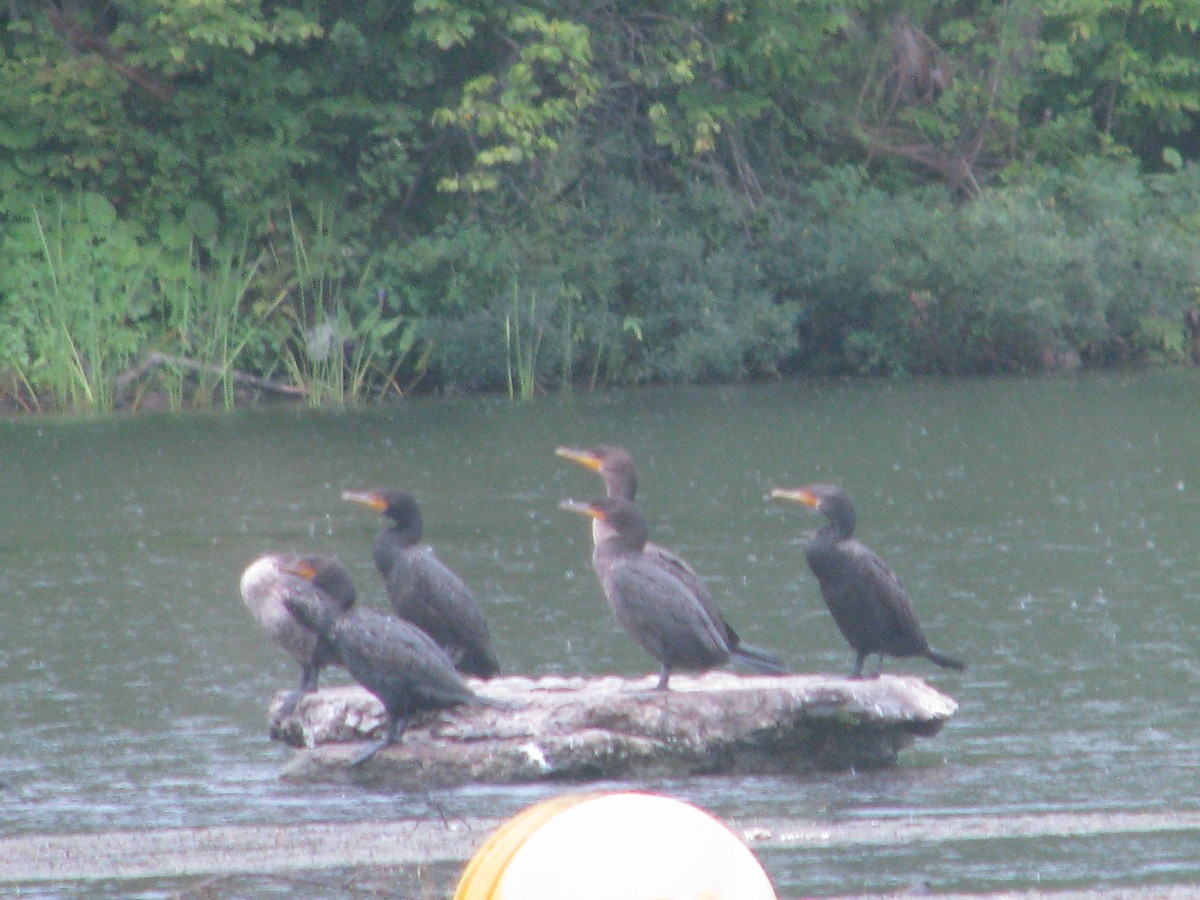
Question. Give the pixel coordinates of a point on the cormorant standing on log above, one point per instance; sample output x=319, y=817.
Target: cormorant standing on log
x=265, y=586
x=422, y=589
x=867, y=599
x=393, y=659
x=657, y=609
x=615, y=467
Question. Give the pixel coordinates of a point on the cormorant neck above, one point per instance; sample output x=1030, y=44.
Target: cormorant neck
x=389, y=544
x=615, y=544
x=621, y=483
x=839, y=527
x=405, y=534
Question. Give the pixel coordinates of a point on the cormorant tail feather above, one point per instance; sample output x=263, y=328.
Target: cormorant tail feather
x=758, y=659
x=948, y=662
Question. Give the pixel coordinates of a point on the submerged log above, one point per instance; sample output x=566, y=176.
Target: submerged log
x=583, y=729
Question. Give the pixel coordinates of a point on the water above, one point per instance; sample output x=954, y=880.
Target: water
x=1046, y=529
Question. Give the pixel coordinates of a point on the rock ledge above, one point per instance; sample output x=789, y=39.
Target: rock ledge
x=584, y=729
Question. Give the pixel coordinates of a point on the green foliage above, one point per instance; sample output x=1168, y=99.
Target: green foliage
x=344, y=345
x=969, y=94
x=518, y=113
x=215, y=113
x=625, y=286
x=522, y=346
x=1095, y=262
x=687, y=271
x=353, y=198
x=1134, y=67
x=84, y=296
x=74, y=292
x=1144, y=236
x=100, y=98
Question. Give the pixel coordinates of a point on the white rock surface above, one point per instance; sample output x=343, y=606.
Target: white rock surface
x=583, y=729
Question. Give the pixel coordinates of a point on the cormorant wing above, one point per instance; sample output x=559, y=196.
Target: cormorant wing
x=660, y=612
x=678, y=567
x=888, y=598
x=386, y=653
x=447, y=598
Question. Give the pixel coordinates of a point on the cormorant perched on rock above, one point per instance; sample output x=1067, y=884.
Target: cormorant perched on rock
x=393, y=659
x=422, y=589
x=657, y=609
x=867, y=599
x=615, y=466
x=265, y=586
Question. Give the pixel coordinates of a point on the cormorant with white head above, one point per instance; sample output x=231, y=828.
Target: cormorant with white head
x=265, y=585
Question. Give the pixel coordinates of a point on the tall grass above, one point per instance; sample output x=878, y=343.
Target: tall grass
x=522, y=341
x=76, y=297
x=92, y=314
x=211, y=322
x=345, y=344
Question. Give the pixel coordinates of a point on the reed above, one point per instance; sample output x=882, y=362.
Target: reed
x=523, y=335
x=81, y=312
x=210, y=320
x=346, y=345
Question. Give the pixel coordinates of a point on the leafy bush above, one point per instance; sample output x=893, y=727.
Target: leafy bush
x=690, y=273
x=1143, y=236
x=1095, y=262
x=609, y=283
x=621, y=285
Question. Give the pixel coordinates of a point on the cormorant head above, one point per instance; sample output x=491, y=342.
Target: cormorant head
x=613, y=464
x=828, y=499
x=398, y=505
x=327, y=575
x=622, y=516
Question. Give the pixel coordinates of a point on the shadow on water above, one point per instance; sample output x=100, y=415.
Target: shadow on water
x=1046, y=529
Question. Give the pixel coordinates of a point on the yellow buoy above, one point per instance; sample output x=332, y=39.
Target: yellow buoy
x=613, y=846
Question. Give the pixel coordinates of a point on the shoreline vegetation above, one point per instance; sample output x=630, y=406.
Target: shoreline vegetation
x=340, y=204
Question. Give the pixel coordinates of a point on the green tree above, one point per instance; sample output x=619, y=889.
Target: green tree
x=1133, y=68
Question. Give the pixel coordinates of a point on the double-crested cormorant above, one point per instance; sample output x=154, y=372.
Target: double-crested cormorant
x=422, y=589
x=393, y=659
x=615, y=466
x=867, y=599
x=266, y=584
x=651, y=603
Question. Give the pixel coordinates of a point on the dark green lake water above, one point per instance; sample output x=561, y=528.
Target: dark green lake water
x=1047, y=530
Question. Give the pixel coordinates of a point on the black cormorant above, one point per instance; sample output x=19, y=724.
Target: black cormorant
x=867, y=599
x=660, y=612
x=615, y=467
x=422, y=589
x=393, y=659
x=265, y=585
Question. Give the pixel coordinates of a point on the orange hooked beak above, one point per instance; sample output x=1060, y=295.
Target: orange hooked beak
x=584, y=509
x=798, y=495
x=300, y=569
x=366, y=498
x=585, y=459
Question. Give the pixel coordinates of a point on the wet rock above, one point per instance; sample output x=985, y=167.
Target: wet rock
x=582, y=729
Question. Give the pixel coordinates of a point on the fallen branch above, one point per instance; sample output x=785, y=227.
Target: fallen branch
x=154, y=360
